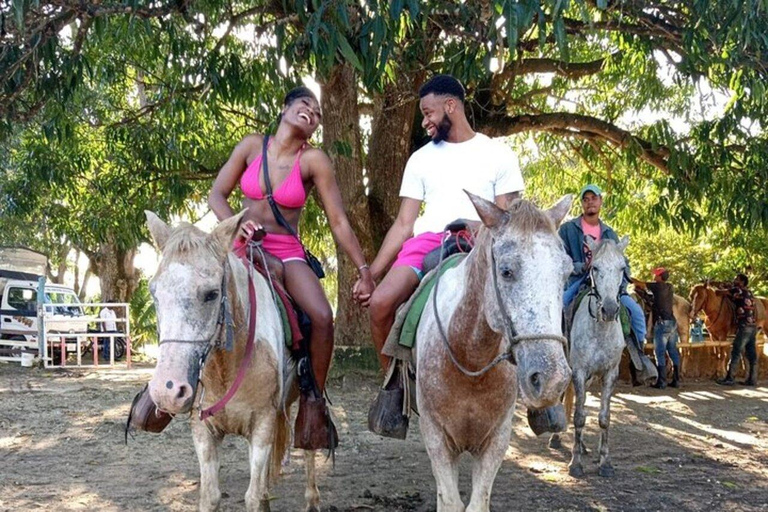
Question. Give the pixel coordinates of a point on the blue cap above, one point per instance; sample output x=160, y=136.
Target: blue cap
x=590, y=188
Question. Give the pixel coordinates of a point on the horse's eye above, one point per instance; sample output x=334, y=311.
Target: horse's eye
x=211, y=295
x=506, y=272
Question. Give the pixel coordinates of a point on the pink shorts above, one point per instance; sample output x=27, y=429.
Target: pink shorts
x=283, y=247
x=415, y=249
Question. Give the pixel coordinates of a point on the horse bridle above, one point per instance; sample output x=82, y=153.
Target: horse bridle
x=594, y=293
x=510, y=331
x=214, y=341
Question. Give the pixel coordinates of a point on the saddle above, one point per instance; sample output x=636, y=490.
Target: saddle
x=626, y=323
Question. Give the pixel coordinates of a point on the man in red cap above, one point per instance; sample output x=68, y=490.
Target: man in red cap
x=664, y=326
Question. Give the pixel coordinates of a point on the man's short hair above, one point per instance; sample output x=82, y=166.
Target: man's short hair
x=743, y=278
x=443, y=85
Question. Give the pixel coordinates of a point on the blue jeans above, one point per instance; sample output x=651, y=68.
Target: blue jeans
x=665, y=341
x=636, y=315
x=572, y=290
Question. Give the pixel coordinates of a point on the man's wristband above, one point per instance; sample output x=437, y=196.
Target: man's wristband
x=363, y=267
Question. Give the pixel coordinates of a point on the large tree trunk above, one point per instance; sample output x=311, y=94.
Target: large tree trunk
x=341, y=138
x=114, y=267
x=389, y=150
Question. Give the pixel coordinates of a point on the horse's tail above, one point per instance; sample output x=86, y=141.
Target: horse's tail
x=281, y=444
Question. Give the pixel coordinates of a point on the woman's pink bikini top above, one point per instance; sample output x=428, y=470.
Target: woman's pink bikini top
x=290, y=193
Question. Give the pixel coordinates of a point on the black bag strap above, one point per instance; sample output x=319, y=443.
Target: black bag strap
x=275, y=210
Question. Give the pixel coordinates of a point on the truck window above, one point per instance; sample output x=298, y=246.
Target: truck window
x=22, y=299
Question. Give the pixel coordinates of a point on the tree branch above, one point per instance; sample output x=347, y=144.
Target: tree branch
x=577, y=125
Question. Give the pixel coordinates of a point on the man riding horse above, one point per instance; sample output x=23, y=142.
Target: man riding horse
x=573, y=234
x=436, y=175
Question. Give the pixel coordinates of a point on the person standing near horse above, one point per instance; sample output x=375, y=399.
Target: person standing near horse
x=295, y=168
x=745, y=340
x=664, y=326
x=436, y=175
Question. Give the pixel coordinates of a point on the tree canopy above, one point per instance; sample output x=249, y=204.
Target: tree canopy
x=111, y=107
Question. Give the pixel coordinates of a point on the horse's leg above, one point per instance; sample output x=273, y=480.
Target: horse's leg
x=207, y=449
x=486, y=466
x=575, y=468
x=311, y=494
x=609, y=382
x=260, y=451
x=445, y=467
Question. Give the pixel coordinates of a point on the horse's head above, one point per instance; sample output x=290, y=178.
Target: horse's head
x=527, y=269
x=607, y=275
x=698, y=297
x=187, y=291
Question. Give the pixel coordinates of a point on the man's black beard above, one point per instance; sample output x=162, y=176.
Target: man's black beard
x=442, y=130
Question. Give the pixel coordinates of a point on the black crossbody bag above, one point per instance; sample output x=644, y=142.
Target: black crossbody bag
x=312, y=260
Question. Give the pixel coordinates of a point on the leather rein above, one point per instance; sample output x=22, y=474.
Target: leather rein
x=224, y=329
x=594, y=293
x=510, y=331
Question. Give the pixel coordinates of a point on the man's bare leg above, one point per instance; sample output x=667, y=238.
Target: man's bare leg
x=396, y=287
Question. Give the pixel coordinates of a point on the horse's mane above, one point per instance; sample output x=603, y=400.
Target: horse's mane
x=529, y=219
x=602, y=244
x=525, y=217
x=186, y=242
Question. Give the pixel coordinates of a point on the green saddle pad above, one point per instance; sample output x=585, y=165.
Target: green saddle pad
x=626, y=324
x=411, y=323
x=284, y=319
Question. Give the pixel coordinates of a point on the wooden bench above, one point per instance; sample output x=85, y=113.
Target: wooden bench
x=707, y=359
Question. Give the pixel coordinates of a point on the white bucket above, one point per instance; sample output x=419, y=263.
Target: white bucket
x=27, y=358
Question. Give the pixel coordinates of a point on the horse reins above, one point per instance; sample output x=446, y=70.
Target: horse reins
x=511, y=332
x=214, y=341
x=593, y=292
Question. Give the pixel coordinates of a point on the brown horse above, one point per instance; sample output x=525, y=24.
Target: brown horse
x=719, y=314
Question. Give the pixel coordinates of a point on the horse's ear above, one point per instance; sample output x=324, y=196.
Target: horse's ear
x=624, y=242
x=491, y=215
x=558, y=212
x=158, y=229
x=224, y=233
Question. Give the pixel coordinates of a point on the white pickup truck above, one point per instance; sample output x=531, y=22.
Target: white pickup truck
x=19, y=272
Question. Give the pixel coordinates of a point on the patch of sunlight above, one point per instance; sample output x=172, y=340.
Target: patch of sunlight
x=711, y=395
x=641, y=399
x=730, y=435
x=696, y=442
x=10, y=441
x=749, y=393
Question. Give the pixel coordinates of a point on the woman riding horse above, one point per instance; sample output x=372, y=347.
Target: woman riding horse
x=293, y=168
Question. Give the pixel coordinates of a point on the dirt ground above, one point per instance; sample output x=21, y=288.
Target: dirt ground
x=702, y=447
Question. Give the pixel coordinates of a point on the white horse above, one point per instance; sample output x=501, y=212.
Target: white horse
x=597, y=342
x=197, y=281
x=502, y=303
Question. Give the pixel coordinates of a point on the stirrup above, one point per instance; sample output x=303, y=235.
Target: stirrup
x=388, y=415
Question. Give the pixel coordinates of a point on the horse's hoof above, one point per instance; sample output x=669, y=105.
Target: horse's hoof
x=576, y=471
x=555, y=443
x=606, y=471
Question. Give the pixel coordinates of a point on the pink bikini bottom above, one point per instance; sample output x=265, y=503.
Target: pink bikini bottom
x=283, y=247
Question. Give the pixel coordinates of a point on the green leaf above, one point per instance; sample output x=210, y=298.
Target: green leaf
x=349, y=53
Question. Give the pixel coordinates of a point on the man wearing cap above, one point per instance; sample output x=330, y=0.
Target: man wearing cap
x=664, y=326
x=573, y=234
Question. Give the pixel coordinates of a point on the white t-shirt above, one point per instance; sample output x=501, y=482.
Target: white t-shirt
x=437, y=174
x=108, y=315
